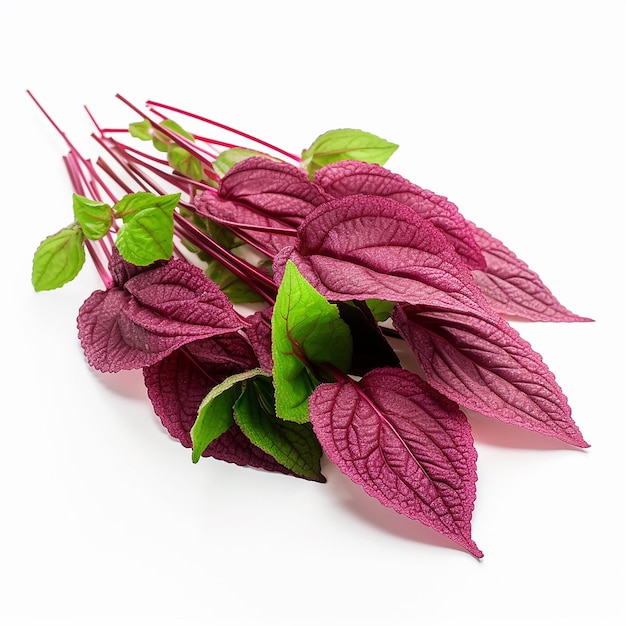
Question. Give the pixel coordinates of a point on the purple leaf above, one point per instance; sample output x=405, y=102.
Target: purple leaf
x=513, y=289
x=277, y=189
x=259, y=332
x=153, y=314
x=362, y=247
x=265, y=194
x=405, y=444
x=481, y=362
x=178, y=383
x=121, y=270
x=272, y=234
x=346, y=178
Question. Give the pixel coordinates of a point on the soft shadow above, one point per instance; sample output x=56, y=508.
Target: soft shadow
x=493, y=432
x=353, y=498
x=127, y=383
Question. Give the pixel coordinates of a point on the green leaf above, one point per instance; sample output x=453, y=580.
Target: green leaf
x=145, y=238
x=307, y=331
x=162, y=142
x=148, y=230
x=58, y=259
x=381, y=309
x=94, y=217
x=294, y=446
x=237, y=291
x=227, y=158
x=133, y=203
x=177, y=128
x=346, y=143
x=182, y=160
x=141, y=130
x=146, y=132
x=216, y=231
x=215, y=414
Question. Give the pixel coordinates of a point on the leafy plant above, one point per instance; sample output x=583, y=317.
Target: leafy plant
x=343, y=259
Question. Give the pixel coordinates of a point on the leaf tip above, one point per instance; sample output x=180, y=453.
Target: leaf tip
x=475, y=551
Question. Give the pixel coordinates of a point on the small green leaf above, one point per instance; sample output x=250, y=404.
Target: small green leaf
x=177, y=128
x=226, y=159
x=146, y=132
x=346, y=143
x=294, y=446
x=381, y=309
x=58, y=259
x=146, y=237
x=94, y=217
x=148, y=230
x=215, y=414
x=306, y=331
x=133, y=203
x=237, y=291
x=162, y=142
x=216, y=231
x=141, y=130
x=184, y=162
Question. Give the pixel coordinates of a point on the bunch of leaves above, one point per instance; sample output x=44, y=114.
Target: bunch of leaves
x=341, y=258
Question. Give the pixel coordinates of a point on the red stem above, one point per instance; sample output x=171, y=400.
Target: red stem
x=152, y=103
x=175, y=137
x=251, y=275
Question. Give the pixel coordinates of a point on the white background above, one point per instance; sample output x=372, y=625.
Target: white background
x=515, y=111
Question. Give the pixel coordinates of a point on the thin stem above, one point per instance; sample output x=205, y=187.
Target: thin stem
x=244, y=270
x=72, y=149
x=102, y=164
x=56, y=127
x=77, y=181
x=152, y=103
x=175, y=137
x=125, y=154
x=103, y=272
x=211, y=155
x=93, y=120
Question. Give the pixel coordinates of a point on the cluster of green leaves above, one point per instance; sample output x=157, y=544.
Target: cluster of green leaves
x=310, y=341
x=144, y=236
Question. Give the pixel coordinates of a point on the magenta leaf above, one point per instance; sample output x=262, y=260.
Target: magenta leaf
x=263, y=194
x=259, y=333
x=346, y=178
x=361, y=247
x=405, y=444
x=178, y=383
x=481, y=362
x=513, y=289
x=277, y=189
x=153, y=314
x=121, y=270
x=272, y=234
